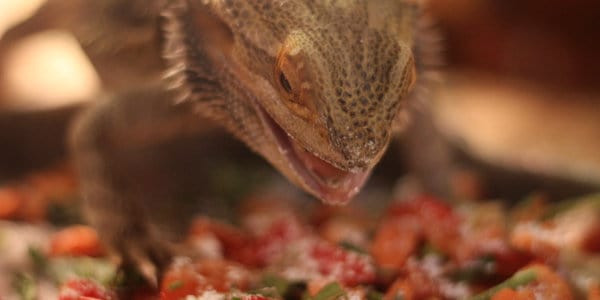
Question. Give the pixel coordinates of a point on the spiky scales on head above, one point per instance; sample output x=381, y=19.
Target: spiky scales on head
x=313, y=86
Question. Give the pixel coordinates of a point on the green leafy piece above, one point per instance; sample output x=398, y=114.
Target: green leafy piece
x=527, y=202
x=25, y=286
x=352, y=247
x=479, y=269
x=274, y=286
x=280, y=284
x=64, y=268
x=374, y=295
x=269, y=292
x=518, y=279
x=64, y=213
x=331, y=291
x=40, y=261
x=175, y=285
x=429, y=249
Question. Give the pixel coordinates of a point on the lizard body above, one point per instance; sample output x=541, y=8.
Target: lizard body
x=314, y=87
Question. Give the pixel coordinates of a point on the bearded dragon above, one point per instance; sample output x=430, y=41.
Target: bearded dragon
x=315, y=87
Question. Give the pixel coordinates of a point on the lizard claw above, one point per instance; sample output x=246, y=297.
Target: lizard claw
x=145, y=266
x=149, y=257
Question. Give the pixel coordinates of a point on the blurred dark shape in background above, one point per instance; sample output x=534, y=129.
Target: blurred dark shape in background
x=551, y=42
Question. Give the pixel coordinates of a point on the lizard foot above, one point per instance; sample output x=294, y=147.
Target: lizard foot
x=148, y=256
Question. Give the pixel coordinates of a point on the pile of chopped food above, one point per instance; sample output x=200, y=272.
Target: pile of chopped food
x=420, y=247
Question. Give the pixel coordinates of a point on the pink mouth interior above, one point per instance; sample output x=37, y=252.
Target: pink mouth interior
x=331, y=184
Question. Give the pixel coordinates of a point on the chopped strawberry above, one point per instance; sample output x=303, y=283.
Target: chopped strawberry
x=223, y=275
x=440, y=223
x=436, y=218
x=346, y=267
x=254, y=297
x=408, y=223
x=181, y=280
x=251, y=250
x=80, y=289
x=591, y=241
x=509, y=260
x=235, y=243
x=271, y=244
x=191, y=278
x=530, y=238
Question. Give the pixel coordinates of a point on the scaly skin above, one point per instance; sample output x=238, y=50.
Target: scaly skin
x=313, y=86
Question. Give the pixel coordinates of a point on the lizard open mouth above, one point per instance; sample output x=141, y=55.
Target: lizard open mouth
x=328, y=182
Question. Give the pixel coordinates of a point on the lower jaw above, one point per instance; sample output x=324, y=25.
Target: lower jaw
x=338, y=194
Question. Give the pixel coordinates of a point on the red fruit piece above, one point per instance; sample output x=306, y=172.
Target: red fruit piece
x=437, y=220
x=10, y=202
x=181, y=280
x=79, y=289
x=192, y=278
x=254, y=297
x=271, y=244
x=348, y=268
x=395, y=241
x=76, y=240
x=408, y=224
x=234, y=242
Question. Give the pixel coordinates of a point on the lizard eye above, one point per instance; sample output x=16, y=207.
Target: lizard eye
x=291, y=78
x=285, y=84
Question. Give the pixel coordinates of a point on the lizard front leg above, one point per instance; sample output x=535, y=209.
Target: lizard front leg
x=105, y=142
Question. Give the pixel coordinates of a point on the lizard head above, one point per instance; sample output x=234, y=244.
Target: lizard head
x=313, y=86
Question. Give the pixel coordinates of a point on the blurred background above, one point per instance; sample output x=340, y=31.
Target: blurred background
x=522, y=87
x=523, y=82
x=520, y=94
